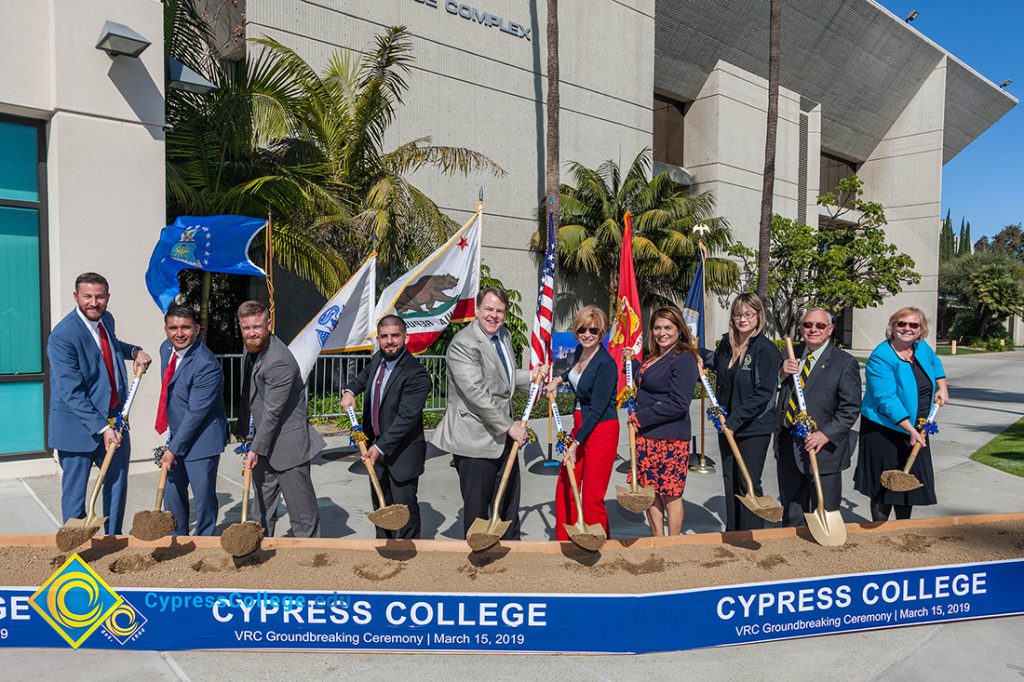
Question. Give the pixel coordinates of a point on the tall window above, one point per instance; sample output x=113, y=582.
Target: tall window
x=23, y=299
x=668, y=130
x=834, y=169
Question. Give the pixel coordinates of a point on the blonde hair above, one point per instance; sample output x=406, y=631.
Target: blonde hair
x=590, y=314
x=685, y=341
x=903, y=312
x=752, y=301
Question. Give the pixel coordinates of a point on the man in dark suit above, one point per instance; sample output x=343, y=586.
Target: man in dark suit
x=395, y=387
x=88, y=386
x=283, y=443
x=191, y=410
x=832, y=387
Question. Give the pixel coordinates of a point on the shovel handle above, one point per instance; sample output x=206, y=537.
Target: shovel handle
x=571, y=471
x=246, y=485
x=813, y=456
x=633, y=485
x=727, y=432
x=513, y=459
x=373, y=475
x=911, y=459
x=164, y=468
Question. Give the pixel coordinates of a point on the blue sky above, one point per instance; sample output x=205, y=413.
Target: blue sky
x=984, y=182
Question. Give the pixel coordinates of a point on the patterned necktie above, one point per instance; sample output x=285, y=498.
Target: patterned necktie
x=501, y=353
x=161, y=407
x=108, y=360
x=792, y=409
x=375, y=401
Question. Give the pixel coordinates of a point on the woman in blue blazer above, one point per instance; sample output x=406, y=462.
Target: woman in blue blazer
x=664, y=389
x=904, y=378
x=594, y=378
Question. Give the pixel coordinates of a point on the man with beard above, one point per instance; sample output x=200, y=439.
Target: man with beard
x=273, y=412
x=191, y=411
x=88, y=386
x=394, y=387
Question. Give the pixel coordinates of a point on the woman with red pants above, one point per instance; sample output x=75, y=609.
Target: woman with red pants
x=664, y=390
x=593, y=377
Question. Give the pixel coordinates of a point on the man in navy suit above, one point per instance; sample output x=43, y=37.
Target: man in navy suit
x=88, y=385
x=191, y=410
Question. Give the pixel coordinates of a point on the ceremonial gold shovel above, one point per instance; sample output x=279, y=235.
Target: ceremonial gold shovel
x=153, y=524
x=388, y=517
x=903, y=481
x=632, y=497
x=590, y=537
x=484, y=533
x=243, y=538
x=762, y=505
x=74, y=532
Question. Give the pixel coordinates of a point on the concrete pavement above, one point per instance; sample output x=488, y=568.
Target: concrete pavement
x=987, y=395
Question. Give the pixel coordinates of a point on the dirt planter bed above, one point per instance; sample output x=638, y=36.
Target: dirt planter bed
x=637, y=566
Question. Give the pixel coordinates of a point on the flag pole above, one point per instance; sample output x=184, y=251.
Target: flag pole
x=548, y=465
x=269, y=267
x=703, y=467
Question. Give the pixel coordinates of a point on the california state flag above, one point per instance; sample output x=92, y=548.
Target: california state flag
x=438, y=291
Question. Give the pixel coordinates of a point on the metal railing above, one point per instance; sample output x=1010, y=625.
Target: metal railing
x=326, y=381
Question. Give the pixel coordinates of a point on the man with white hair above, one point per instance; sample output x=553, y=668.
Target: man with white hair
x=831, y=381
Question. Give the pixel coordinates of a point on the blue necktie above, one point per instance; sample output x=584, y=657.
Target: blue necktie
x=501, y=353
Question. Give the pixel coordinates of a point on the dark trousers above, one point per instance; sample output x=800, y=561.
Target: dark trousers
x=754, y=450
x=296, y=486
x=796, y=489
x=478, y=481
x=201, y=474
x=398, y=492
x=74, y=491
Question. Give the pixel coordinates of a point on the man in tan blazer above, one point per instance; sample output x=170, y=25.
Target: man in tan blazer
x=478, y=426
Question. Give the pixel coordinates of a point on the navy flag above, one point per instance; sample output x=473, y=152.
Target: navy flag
x=217, y=243
x=693, y=308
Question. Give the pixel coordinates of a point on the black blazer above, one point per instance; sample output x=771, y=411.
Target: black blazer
x=401, y=414
x=596, y=390
x=832, y=391
x=750, y=397
x=663, y=395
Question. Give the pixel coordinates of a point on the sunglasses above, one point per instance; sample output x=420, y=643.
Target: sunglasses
x=594, y=331
x=814, y=325
x=913, y=325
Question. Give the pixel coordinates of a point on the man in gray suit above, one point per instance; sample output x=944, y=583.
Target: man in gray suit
x=831, y=381
x=478, y=427
x=274, y=408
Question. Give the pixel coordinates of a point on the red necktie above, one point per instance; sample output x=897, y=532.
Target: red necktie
x=161, y=407
x=108, y=360
x=375, y=401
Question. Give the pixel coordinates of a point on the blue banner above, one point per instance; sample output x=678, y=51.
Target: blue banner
x=170, y=619
x=693, y=306
x=217, y=243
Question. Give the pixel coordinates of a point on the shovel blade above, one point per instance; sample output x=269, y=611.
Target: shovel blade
x=591, y=538
x=391, y=517
x=241, y=539
x=484, y=534
x=763, y=506
x=900, y=482
x=636, y=501
x=152, y=524
x=77, y=532
x=826, y=527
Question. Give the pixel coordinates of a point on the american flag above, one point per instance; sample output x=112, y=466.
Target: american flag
x=540, y=342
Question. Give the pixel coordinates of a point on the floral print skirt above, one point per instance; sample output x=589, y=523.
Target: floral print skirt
x=662, y=464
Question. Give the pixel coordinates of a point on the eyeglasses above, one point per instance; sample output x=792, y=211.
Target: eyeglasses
x=814, y=325
x=594, y=331
x=913, y=325
x=749, y=315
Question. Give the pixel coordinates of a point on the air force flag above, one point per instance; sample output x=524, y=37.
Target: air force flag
x=345, y=323
x=217, y=243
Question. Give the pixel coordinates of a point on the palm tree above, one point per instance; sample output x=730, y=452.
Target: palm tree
x=764, y=241
x=343, y=117
x=665, y=245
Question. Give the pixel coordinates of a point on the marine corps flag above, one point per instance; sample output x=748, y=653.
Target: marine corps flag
x=626, y=326
x=345, y=323
x=438, y=291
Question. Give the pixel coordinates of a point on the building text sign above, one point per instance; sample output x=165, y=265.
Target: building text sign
x=478, y=16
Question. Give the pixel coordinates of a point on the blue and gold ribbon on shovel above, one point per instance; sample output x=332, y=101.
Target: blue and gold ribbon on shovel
x=803, y=425
x=627, y=396
x=564, y=440
x=716, y=413
x=928, y=425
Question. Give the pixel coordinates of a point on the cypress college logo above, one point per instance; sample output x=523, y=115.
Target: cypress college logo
x=75, y=601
